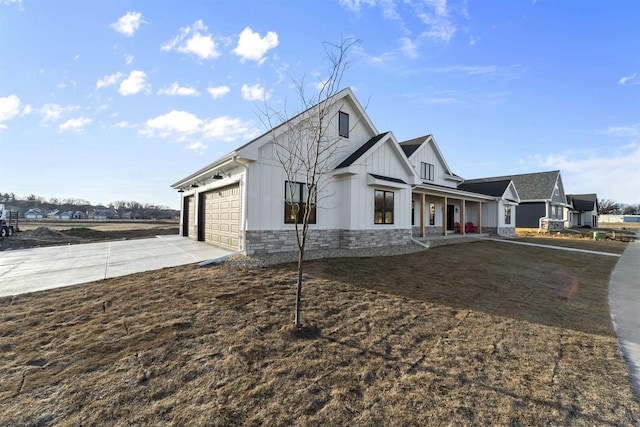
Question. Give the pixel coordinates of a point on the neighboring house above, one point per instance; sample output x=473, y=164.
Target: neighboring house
x=439, y=204
x=582, y=210
x=500, y=217
x=100, y=214
x=542, y=199
x=613, y=218
x=79, y=215
x=66, y=215
x=378, y=192
x=34, y=213
x=54, y=214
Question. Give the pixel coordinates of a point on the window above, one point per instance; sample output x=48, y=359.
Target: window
x=426, y=171
x=432, y=213
x=507, y=215
x=383, y=207
x=294, y=203
x=343, y=124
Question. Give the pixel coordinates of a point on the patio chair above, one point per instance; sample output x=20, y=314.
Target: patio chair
x=470, y=228
x=457, y=227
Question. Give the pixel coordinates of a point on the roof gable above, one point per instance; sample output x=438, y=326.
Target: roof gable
x=531, y=186
x=361, y=151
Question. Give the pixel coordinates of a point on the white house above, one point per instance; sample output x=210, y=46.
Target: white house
x=375, y=191
x=499, y=217
x=582, y=210
x=34, y=213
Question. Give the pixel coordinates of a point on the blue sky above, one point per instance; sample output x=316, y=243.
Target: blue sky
x=117, y=100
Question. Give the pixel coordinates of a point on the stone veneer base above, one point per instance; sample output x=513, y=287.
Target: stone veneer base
x=274, y=241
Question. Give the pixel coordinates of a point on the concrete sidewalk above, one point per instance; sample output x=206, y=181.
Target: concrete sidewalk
x=624, y=305
x=31, y=270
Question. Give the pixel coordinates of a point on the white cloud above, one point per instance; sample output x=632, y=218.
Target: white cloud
x=124, y=125
x=612, y=175
x=408, y=47
x=623, y=131
x=51, y=112
x=128, y=59
x=356, y=5
x=109, y=80
x=176, y=124
x=75, y=125
x=624, y=80
x=194, y=40
x=218, y=92
x=185, y=126
x=128, y=23
x=224, y=129
x=254, y=93
x=176, y=90
x=135, y=83
x=9, y=107
x=198, y=147
x=252, y=46
x=27, y=110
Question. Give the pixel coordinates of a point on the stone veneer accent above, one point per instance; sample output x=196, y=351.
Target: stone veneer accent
x=274, y=241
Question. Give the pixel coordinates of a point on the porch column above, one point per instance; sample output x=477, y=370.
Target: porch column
x=444, y=216
x=423, y=198
x=479, y=217
x=463, y=204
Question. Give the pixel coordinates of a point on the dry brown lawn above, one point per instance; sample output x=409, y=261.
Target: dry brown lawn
x=482, y=333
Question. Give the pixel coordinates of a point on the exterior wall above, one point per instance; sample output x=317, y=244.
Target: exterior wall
x=274, y=241
x=427, y=154
x=528, y=214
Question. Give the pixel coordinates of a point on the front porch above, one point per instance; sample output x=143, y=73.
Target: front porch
x=446, y=212
x=432, y=241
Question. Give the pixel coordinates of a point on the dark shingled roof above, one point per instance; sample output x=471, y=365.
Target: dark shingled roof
x=410, y=146
x=530, y=186
x=386, y=178
x=583, y=202
x=491, y=188
x=360, y=151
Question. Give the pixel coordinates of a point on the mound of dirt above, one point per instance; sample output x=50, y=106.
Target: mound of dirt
x=42, y=233
x=84, y=233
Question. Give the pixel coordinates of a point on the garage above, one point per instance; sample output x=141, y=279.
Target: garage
x=219, y=216
x=189, y=220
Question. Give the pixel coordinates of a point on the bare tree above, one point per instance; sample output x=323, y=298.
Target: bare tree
x=608, y=206
x=305, y=149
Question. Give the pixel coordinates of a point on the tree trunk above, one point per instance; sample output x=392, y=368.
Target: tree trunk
x=298, y=320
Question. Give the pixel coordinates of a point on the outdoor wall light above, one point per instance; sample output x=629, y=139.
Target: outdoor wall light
x=181, y=191
x=194, y=185
x=217, y=176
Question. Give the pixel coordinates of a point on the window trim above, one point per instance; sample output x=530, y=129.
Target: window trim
x=341, y=117
x=385, y=208
x=300, y=189
x=432, y=213
x=507, y=215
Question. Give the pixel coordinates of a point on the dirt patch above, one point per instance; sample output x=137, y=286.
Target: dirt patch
x=45, y=236
x=473, y=334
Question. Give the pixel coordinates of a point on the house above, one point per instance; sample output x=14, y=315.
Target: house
x=100, y=214
x=66, y=215
x=440, y=204
x=375, y=191
x=500, y=217
x=54, y=214
x=582, y=210
x=542, y=199
x=34, y=213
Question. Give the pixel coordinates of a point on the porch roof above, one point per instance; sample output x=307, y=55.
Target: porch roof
x=442, y=191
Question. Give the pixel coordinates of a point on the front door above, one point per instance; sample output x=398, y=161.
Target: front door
x=450, y=217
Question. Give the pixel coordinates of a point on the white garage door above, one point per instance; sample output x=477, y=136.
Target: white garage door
x=220, y=217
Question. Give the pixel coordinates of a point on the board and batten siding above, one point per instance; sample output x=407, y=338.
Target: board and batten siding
x=426, y=154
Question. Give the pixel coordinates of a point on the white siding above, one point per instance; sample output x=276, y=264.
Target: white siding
x=427, y=154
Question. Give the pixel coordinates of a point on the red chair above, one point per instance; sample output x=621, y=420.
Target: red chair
x=457, y=227
x=470, y=228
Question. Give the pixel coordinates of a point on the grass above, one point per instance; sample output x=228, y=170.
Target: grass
x=468, y=334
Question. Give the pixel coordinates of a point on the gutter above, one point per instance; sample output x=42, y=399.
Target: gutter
x=419, y=243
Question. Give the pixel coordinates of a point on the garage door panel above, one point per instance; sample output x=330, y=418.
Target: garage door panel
x=222, y=213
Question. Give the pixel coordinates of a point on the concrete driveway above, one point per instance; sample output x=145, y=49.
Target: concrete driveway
x=30, y=270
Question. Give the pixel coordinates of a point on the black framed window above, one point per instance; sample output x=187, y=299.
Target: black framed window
x=343, y=124
x=383, y=207
x=295, y=197
x=427, y=171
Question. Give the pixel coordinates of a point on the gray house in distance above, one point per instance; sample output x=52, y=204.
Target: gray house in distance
x=543, y=201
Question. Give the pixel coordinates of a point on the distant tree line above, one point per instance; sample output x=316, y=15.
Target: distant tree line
x=611, y=207
x=133, y=209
